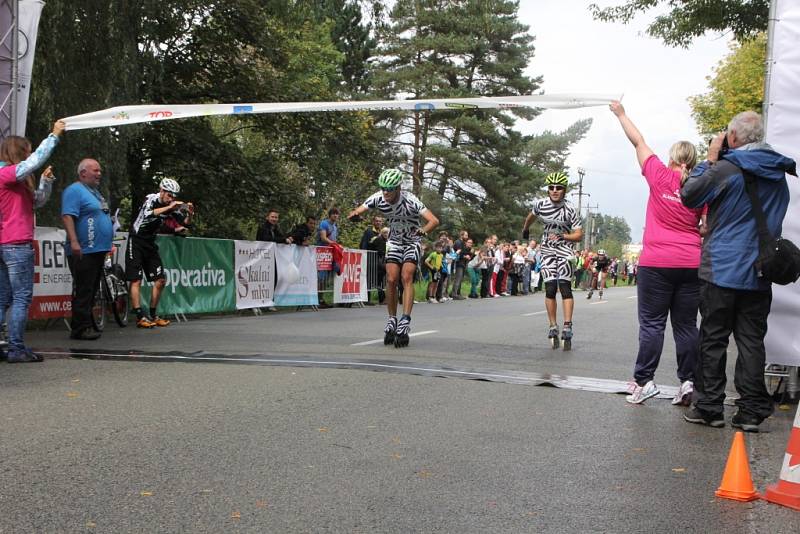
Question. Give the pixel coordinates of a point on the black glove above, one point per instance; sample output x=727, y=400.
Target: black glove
x=526, y=233
x=355, y=218
x=420, y=232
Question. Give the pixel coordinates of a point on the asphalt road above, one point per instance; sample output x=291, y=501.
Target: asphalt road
x=269, y=436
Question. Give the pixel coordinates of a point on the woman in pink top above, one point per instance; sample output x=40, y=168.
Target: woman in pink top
x=667, y=282
x=18, y=197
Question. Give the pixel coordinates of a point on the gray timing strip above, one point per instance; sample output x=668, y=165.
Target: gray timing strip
x=599, y=385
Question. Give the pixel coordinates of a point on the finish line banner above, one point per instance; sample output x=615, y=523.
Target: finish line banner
x=122, y=115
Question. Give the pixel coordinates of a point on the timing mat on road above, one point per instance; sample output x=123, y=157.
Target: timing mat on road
x=599, y=385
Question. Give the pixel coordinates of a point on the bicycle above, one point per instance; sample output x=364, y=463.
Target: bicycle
x=112, y=293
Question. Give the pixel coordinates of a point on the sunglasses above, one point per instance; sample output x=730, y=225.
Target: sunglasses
x=555, y=187
x=390, y=189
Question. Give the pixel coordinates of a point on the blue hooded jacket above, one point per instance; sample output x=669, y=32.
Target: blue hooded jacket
x=731, y=246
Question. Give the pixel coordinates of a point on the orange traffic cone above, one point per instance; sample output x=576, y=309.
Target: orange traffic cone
x=736, y=481
x=787, y=490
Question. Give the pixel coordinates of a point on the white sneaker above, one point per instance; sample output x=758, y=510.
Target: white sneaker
x=432, y=300
x=684, y=395
x=642, y=393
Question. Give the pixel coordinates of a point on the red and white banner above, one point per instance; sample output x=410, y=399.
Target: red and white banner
x=324, y=258
x=52, y=281
x=351, y=284
x=254, y=268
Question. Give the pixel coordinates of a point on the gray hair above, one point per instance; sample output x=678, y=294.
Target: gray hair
x=83, y=164
x=748, y=127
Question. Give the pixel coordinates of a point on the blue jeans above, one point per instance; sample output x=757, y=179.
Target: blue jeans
x=16, y=290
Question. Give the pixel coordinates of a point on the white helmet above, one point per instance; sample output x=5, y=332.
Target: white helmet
x=170, y=185
x=601, y=252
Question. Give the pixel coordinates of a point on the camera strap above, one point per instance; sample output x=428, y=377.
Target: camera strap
x=751, y=186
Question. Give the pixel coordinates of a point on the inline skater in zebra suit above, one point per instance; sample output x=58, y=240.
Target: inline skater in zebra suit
x=402, y=211
x=562, y=228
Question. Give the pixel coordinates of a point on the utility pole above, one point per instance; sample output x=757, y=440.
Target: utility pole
x=589, y=230
x=581, y=174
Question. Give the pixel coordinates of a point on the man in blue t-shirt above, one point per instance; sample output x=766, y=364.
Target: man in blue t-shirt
x=84, y=212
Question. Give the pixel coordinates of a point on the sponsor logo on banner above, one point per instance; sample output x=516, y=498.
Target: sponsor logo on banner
x=242, y=109
x=459, y=105
x=351, y=285
x=160, y=114
x=324, y=258
x=52, y=281
x=422, y=106
x=206, y=276
x=297, y=276
x=121, y=116
x=254, y=264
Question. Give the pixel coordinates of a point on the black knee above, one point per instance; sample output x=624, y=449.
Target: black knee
x=550, y=289
x=566, y=289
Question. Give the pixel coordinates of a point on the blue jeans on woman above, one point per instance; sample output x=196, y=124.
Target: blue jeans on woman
x=16, y=291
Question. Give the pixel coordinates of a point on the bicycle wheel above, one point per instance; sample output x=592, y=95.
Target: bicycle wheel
x=99, y=306
x=118, y=299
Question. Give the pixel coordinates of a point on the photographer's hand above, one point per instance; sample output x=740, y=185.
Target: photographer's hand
x=714, y=147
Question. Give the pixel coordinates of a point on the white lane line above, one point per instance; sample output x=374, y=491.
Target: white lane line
x=633, y=297
x=374, y=341
x=534, y=313
x=598, y=302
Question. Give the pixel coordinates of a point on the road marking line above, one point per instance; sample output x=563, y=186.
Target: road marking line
x=634, y=297
x=534, y=313
x=374, y=341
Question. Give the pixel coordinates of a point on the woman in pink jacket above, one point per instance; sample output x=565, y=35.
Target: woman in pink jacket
x=18, y=198
x=666, y=276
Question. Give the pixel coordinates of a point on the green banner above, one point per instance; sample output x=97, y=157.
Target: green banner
x=199, y=275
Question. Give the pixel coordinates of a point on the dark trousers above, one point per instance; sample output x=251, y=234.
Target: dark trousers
x=85, y=281
x=441, y=289
x=661, y=292
x=743, y=313
x=486, y=277
x=458, y=277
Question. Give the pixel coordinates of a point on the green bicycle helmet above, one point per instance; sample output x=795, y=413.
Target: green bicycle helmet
x=556, y=178
x=390, y=178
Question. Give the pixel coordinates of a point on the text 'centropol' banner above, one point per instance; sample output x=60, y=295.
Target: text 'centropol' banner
x=254, y=262
x=52, y=281
x=199, y=276
x=122, y=115
x=297, y=276
x=351, y=284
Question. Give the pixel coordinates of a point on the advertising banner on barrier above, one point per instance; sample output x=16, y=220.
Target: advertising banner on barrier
x=324, y=258
x=254, y=262
x=52, y=281
x=199, y=275
x=297, y=276
x=351, y=285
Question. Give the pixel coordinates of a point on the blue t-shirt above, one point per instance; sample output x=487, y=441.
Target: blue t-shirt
x=331, y=230
x=92, y=223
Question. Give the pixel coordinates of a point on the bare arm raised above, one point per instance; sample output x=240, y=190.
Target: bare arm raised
x=634, y=135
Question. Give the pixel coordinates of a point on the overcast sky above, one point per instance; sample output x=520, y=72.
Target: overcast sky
x=576, y=54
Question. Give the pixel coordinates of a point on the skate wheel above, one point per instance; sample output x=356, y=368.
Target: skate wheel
x=567, y=344
x=388, y=338
x=554, y=342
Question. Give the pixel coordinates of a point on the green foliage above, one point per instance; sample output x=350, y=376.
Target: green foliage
x=687, y=19
x=610, y=228
x=469, y=166
x=473, y=169
x=737, y=85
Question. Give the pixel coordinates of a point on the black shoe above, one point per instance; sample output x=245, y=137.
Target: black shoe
x=748, y=423
x=696, y=416
x=86, y=333
x=24, y=356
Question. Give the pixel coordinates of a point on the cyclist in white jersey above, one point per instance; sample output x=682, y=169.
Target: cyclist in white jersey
x=402, y=211
x=562, y=228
